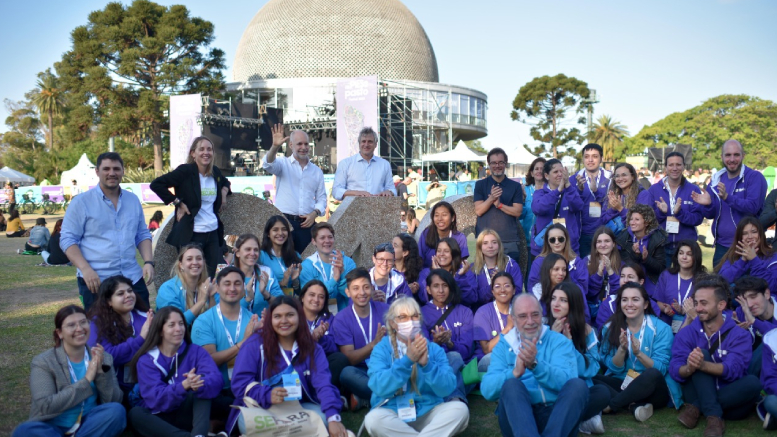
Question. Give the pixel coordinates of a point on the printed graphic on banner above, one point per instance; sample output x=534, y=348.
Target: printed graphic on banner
x=357, y=107
x=184, y=112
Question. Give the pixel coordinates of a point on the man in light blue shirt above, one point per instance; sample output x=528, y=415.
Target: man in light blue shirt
x=364, y=174
x=101, y=229
x=299, y=184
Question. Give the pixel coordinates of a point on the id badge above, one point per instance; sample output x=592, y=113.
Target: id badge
x=677, y=322
x=672, y=225
x=594, y=210
x=406, y=407
x=561, y=221
x=293, y=387
x=630, y=376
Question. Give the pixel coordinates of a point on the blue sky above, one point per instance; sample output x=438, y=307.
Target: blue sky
x=646, y=59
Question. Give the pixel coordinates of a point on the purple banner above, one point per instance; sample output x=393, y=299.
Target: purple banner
x=148, y=195
x=357, y=107
x=56, y=192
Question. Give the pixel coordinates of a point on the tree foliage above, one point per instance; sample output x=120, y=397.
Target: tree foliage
x=48, y=98
x=609, y=134
x=750, y=120
x=126, y=61
x=545, y=103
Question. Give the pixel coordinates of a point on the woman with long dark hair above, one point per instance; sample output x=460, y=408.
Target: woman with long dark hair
x=120, y=323
x=490, y=258
x=189, y=288
x=644, y=242
x=177, y=380
x=285, y=346
x=749, y=255
x=636, y=348
x=535, y=180
x=315, y=304
x=625, y=192
x=443, y=226
x=260, y=282
x=554, y=271
x=448, y=257
x=200, y=194
x=73, y=388
x=407, y=260
x=567, y=317
x=676, y=283
x=557, y=241
x=604, y=265
x=279, y=255
x=54, y=255
x=629, y=272
x=14, y=227
x=492, y=319
x=557, y=202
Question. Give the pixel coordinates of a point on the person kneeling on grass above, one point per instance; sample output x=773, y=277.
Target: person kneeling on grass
x=533, y=374
x=409, y=378
x=710, y=359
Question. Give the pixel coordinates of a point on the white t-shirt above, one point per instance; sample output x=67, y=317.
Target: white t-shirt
x=206, y=220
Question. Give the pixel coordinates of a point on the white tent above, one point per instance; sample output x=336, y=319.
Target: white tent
x=8, y=174
x=83, y=173
x=519, y=155
x=460, y=153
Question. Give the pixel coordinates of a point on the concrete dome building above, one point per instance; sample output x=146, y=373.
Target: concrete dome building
x=293, y=52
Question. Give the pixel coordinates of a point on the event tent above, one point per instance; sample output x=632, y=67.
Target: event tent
x=8, y=174
x=517, y=155
x=83, y=173
x=460, y=153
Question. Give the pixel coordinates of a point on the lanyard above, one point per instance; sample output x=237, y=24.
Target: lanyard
x=132, y=323
x=312, y=325
x=641, y=334
x=672, y=197
x=77, y=425
x=389, y=289
x=70, y=366
x=283, y=353
x=316, y=259
x=279, y=260
x=443, y=310
x=488, y=273
x=680, y=298
x=598, y=178
x=237, y=329
x=369, y=327
x=499, y=317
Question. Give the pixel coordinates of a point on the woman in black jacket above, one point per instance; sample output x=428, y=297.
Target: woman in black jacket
x=200, y=194
x=644, y=242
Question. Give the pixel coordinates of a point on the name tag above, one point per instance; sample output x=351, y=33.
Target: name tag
x=293, y=387
x=677, y=322
x=672, y=225
x=594, y=210
x=630, y=377
x=560, y=221
x=406, y=407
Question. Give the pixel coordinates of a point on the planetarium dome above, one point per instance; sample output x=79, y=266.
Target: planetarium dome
x=334, y=38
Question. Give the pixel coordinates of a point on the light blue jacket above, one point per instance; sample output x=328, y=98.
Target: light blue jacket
x=387, y=375
x=556, y=364
x=586, y=372
x=657, y=344
x=336, y=289
x=172, y=294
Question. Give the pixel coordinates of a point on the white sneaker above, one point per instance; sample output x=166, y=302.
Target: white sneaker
x=643, y=412
x=593, y=425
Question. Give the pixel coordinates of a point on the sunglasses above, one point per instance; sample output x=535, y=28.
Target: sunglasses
x=552, y=240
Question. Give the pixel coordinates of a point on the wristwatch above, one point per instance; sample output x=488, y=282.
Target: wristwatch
x=150, y=262
x=532, y=366
x=334, y=418
x=176, y=201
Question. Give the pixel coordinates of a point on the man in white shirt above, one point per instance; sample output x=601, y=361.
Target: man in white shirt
x=364, y=174
x=300, y=194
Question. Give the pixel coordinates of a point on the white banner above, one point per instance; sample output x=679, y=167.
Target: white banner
x=357, y=107
x=184, y=112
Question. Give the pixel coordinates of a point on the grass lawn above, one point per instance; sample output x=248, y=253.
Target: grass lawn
x=30, y=296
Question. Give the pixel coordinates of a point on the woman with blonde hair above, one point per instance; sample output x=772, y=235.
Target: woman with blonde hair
x=557, y=241
x=200, y=194
x=490, y=258
x=189, y=288
x=409, y=378
x=625, y=192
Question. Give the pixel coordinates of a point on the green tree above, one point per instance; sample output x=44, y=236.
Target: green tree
x=750, y=120
x=609, y=134
x=544, y=103
x=48, y=98
x=127, y=60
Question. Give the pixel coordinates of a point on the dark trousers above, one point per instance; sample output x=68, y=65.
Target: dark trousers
x=598, y=399
x=211, y=248
x=732, y=402
x=648, y=388
x=220, y=405
x=720, y=251
x=192, y=418
x=88, y=298
x=756, y=362
x=669, y=250
x=299, y=235
x=29, y=248
x=16, y=234
x=337, y=362
x=585, y=244
x=518, y=417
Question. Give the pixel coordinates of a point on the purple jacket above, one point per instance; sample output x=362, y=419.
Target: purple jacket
x=765, y=268
x=745, y=196
x=610, y=213
x=689, y=216
x=735, y=352
x=769, y=361
x=251, y=366
x=153, y=368
x=484, y=286
x=760, y=327
x=427, y=252
x=459, y=322
x=398, y=285
x=596, y=283
x=667, y=291
x=544, y=207
x=467, y=284
x=122, y=353
x=327, y=341
x=600, y=195
x=578, y=273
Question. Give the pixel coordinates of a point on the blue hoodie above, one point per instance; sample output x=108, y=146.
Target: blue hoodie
x=745, y=196
x=689, y=216
x=556, y=364
x=314, y=268
x=544, y=206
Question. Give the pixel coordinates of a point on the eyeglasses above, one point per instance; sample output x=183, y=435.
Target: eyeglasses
x=384, y=261
x=405, y=317
x=497, y=164
x=561, y=240
x=506, y=287
x=72, y=326
x=401, y=215
x=524, y=317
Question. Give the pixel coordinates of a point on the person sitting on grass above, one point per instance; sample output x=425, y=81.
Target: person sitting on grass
x=14, y=228
x=315, y=305
x=73, y=388
x=53, y=255
x=190, y=289
x=155, y=222
x=39, y=237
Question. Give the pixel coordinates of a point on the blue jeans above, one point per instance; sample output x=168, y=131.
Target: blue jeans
x=354, y=380
x=720, y=251
x=756, y=361
x=585, y=244
x=518, y=417
x=484, y=363
x=457, y=363
x=103, y=420
x=770, y=403
x=89, y=298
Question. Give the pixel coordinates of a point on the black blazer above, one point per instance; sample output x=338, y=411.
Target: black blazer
x=186, y=181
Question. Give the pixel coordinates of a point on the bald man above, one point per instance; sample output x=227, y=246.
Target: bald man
x=734, y=192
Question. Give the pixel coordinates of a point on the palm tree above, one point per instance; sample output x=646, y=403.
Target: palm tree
x=48, y=99
x=609, y=134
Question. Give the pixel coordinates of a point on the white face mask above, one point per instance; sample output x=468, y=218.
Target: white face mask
x=408, y=330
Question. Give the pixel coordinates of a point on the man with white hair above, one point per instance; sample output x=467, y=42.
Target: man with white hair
x=364, y=174
x=734, y=192
x=300, y=194
x=533, y=374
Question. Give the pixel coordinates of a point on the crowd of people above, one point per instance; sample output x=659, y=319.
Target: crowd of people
x=616, y=314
